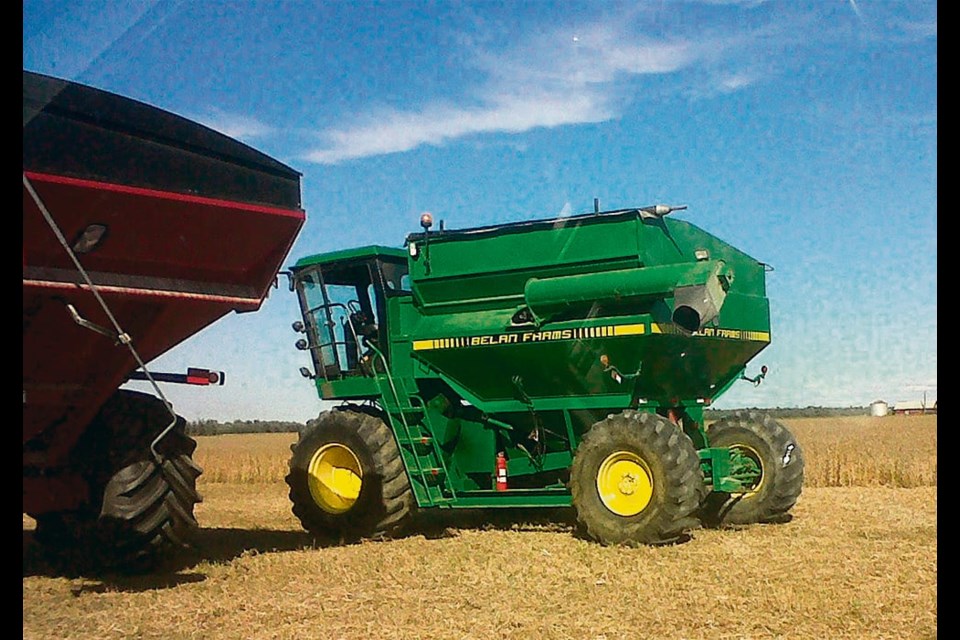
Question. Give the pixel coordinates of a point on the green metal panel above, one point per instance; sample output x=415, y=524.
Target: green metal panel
x=565, y=363
x=519, y=498
x=454, y=269
x=600, y=285
x=360, y=253
x=348, y=389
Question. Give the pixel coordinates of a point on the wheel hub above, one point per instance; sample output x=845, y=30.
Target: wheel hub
x=624, y=483
x=750, y=467
x=334, y=478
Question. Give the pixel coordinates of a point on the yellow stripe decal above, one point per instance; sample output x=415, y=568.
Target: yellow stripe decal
x=583, y=333
x=629, y=330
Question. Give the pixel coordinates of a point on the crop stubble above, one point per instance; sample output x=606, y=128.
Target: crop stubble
x=856, y=562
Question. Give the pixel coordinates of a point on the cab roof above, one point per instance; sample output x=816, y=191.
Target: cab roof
x=344, y=255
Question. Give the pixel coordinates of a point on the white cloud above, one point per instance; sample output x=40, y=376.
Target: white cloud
x=884, y=24
x=401, y=131
x=556, y=79
x=921, y=29
x=736, y=81
x=594, y=54
x=234, y=125
x=571, y=76
x=718, y=83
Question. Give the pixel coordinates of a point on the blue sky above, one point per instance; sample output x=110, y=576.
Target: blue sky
x=804, y=133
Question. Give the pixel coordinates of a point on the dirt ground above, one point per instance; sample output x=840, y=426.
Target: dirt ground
x=855, y=562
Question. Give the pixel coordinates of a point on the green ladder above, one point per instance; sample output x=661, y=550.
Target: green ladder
x=422, y=457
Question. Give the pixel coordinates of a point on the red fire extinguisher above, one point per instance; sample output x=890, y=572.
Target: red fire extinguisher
x=501, y=472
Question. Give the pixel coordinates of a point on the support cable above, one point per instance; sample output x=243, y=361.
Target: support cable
x=122, y=336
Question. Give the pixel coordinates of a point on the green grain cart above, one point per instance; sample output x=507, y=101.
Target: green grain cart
x=550, y=363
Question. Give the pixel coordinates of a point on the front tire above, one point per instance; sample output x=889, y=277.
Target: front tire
x=771, y=447
x=636, y=479
x=138, y=510
x=347, y=479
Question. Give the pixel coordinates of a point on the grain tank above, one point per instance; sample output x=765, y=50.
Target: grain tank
x=575, y=353
x=140, y=229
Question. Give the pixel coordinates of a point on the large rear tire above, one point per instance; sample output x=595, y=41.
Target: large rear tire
x=139, y=509
x=347, y=479
x=636, y=479
x=773, y=449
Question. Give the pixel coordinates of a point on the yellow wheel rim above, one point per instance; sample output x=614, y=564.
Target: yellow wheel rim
x=751, y=453
x=624, y=483
x=334, y=477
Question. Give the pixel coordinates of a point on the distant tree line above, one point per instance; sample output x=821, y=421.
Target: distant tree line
x=215, y=427
x=793, y=412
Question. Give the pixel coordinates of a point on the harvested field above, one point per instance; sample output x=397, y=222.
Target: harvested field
x=857, y=561
x=860, y=451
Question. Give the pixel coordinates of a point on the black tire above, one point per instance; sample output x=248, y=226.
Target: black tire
x=138, y=509
x=372, y=498
x=778, y=454
x=660, y=484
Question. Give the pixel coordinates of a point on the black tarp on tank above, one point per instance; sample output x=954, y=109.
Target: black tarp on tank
x=78, y=131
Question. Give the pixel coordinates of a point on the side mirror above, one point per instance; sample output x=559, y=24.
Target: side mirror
x=289, y=275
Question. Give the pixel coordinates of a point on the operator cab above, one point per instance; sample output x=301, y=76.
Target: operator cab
x=343, y=301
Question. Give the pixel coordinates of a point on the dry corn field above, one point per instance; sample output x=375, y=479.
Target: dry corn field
x=859, y=560
x=859, y=451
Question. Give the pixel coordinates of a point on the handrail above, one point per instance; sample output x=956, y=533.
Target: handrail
x=406, y=427
x=334, y=342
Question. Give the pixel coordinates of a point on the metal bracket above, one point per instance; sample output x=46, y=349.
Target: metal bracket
x=123, y=338
x=537, y=434
x=757, y=379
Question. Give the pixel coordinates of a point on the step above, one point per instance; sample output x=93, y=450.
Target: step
x=417, y=440
x=431, y=475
